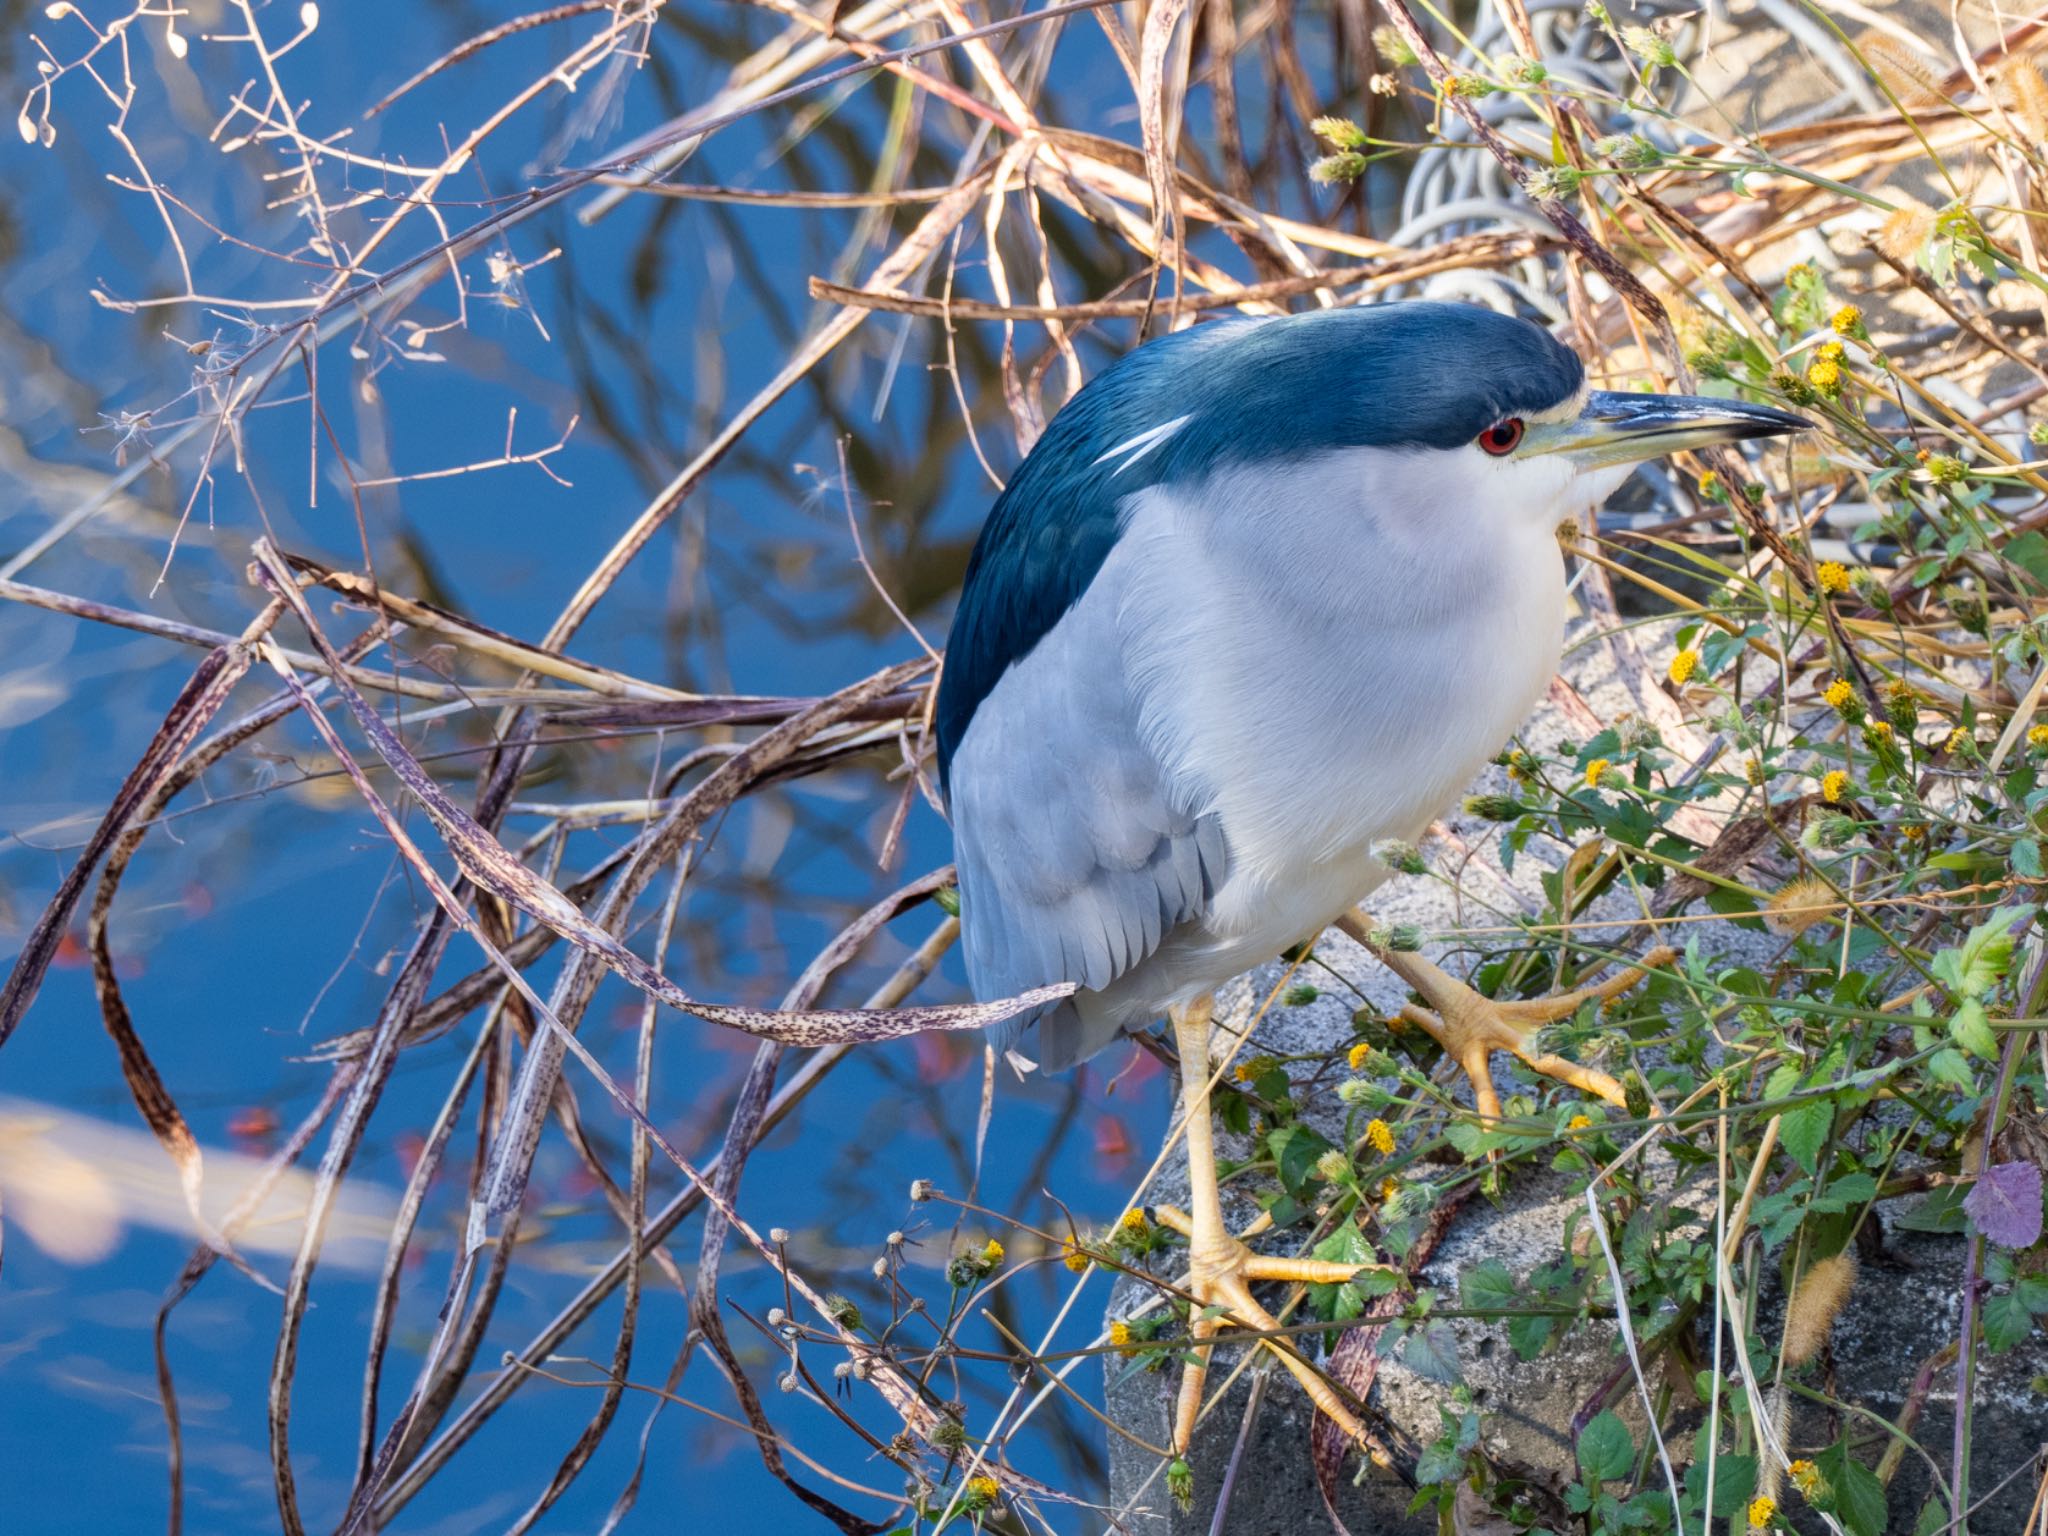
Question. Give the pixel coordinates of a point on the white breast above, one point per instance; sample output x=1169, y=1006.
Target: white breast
x=1330, y=653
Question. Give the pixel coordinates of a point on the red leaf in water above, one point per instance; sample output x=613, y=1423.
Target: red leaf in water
x=256, y=1123
x=2005, y=1203
x=1112, y=1141
x=71, y=952
x=410, y=1146
x=938, y=1055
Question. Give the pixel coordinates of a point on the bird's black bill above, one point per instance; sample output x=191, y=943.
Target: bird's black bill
x=1619, y=428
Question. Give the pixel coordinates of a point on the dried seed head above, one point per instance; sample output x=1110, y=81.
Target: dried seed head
x=1338, y=132
x=1345, y=165
x=1402, y=857
x=920, y=1190
x=1493, y=807
x=786, y=1382
x=842, y=1370
x=1817, y=1300
x=2027, y=92
x=1635, y=734
x=778, y=1236
x=1905, y=230
x=881, y=1269
x=777, y=1317
x=1393, y=48
x=1904, y=71
x=1629, y=151
x=1798, y=906
x=1651, y=47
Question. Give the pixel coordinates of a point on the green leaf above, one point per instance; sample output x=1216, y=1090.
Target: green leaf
x=1975, y=966
x=1805, y=1130
x=1854, y=1188
x=1296, y=1149
x=1606, y=1448
x=1488, y=1287
x=2006, y=1322
x=1341, y=1303
x=1972, y=1028
x=2033, y=1293
x=1528, y=1335
x=1431, y=1352
x=1940, y=1211
x=1734, y=1482
x=1855, y=1495
x=2030, y=553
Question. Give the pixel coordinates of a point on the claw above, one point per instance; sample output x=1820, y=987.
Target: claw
x=1221, y=1268
x=1471, y=1027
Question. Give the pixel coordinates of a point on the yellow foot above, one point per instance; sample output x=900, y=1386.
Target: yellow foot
x=1471, y=1027
x=1220, y=1275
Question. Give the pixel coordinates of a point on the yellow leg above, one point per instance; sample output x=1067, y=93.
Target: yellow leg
x=1471, y=1027
x=1220, y=1267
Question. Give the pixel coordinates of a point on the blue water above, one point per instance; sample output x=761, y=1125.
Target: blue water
x=252, y=927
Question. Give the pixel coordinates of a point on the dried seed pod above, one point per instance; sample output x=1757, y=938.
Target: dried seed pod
x=1817, y=1300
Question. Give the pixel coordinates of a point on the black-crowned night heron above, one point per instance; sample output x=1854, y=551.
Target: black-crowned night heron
x=1266, y=593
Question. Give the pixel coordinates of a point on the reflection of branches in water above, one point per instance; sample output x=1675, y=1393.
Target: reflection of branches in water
x=973, y=189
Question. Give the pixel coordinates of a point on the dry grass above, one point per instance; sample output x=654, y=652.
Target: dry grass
x=1608, y=196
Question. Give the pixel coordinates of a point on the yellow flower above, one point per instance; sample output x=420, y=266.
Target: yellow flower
x=1594, y=770
x=1132, y=1220
x=1709, y=483
x=2037, y=736
x=1380, y=1138
x=1682, y=666
x=1913, y=832
x=1839, y=694
x=1832, y=575
x=982, y=1493
x=1763, y=1511
x=1825, y=375
x=1805, y=1477
x=1845, y=320
x=1075, y=1257
x=1830, y=352
x=992, y=1253
x=1832, y=786
x=1388, y=1189
x=1957, y=740
x=1579, y=1123
x=1120, y=1334
x=1882, y=730
x=1753, y=770
x=1356, y=1059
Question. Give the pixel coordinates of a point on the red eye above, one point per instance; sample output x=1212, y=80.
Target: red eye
x=1501, y=438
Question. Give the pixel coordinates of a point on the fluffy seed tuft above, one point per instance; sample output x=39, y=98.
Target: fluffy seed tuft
x=1817, y=1300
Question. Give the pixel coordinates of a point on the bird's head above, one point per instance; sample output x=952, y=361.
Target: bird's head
x=1457, y=408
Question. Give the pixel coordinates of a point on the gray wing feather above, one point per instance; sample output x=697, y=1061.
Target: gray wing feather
x=1077, y=857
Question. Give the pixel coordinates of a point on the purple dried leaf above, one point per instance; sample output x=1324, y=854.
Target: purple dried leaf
x=2005, y=1203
